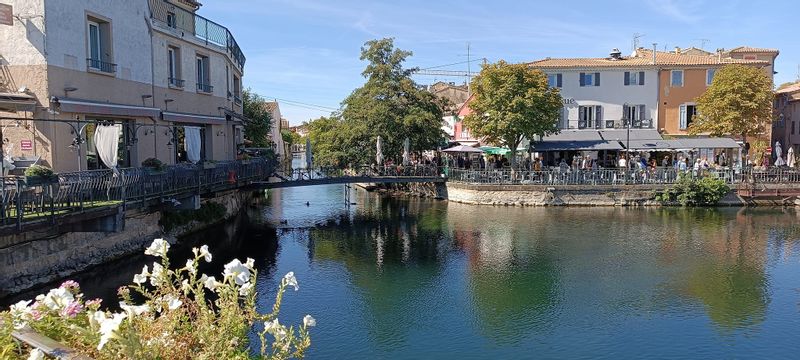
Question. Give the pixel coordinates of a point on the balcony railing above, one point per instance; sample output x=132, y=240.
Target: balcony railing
x=102, y=66
x=205, y=88
x=616, y=124
x=177, y=82
x=237, y=99
x=205, y=30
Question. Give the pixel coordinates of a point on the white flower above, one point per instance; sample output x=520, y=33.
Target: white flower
x=249, y=263
x=158, y=273
x=276, y=329
x=204, y=253
x=190, y=267
x=20, y=314
x=245, y=289
x=134, y=310
x=309, y=321
x=209, y=282
x=173, y=302
x=185, y=285
x=96, y=318
x=109, y=328
x=140, y=279
x=237, y=271
x=290, y=280
x=36, y=354
x=158, y=248
x=56, y=299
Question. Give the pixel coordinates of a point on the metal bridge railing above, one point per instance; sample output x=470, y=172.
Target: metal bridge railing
x=24, y=201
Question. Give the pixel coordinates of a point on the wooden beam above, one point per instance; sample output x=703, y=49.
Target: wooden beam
x=47, y=345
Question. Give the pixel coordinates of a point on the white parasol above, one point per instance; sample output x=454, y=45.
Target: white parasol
x=790, y=157
x=379, y=153
x=778, y=153
x=406, y=149
x=309, y=154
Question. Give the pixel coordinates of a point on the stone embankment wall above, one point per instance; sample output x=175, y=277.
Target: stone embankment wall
x=30, y=259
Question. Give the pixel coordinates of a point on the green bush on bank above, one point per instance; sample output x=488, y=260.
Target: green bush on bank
x=694, y=191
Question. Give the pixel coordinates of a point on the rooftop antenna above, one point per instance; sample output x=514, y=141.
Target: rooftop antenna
x=703, y=43
x=636, y=37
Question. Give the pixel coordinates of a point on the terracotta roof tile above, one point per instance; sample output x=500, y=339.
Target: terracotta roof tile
x=642, y=58
x=748, y=49
x=789, y=89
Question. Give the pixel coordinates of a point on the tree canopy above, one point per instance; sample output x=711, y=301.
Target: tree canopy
x=738, y=102
x=389, y=104
x=511, y=103
x=260, y=119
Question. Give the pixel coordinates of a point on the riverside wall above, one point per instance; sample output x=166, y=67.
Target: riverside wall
x=31, y=258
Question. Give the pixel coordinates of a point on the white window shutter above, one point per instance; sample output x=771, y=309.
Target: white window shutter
x=682, y=124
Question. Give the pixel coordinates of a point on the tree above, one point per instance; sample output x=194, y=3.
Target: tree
x=257, y=128
x=511, y=103
x=390, y=105
x=738, y=102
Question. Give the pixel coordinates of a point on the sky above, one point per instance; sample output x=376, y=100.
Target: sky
x=306, y=53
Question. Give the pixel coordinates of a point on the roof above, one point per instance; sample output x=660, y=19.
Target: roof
x=789, y=89
x=748, y=49
x=588, y=145
x=574, y=135
x=643, y=58
x=270, y=105
x=635, y=134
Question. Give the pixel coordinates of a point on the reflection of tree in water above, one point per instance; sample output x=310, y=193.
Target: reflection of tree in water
x=735, y=294
x=393, y=258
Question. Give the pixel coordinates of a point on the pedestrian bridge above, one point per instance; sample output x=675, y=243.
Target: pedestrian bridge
x=371, y=175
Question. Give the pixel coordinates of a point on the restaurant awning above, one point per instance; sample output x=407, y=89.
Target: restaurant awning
x=683, y=144
x=193, y=118
x=97, y=108
x=575, y=145
x=635, y=134
x=13, y=102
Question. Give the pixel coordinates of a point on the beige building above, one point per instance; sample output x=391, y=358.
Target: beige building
x=154, y=67
x=786, y=128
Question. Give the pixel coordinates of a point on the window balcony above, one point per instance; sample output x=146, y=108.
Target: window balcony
x=101, y=66
x=205, y=88
x=237, y=99
x=178, y=83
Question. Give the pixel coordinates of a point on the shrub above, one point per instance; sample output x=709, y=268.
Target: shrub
x=184, y=315
x=40, y=171
x=153, y=163
x=694, y=191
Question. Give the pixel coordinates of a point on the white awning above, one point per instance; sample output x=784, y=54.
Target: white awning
x=97, y=108
x=13, y=102
x=193, y=118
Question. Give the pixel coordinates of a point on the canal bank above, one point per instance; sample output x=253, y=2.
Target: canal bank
x=34, y=258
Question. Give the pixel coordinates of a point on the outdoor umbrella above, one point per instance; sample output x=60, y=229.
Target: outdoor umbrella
x=406, y=155
x=790, y=157
x=778, y=152
x=309, y=158
x=379, y=154
x=462, y=149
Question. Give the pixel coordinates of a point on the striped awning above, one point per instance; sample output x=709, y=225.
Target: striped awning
x=193, y=118
x=97, y=108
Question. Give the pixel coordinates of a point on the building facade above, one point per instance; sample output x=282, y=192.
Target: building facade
x=786, y=129
x=154, y=67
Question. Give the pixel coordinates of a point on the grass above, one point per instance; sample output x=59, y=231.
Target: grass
x=60, y=209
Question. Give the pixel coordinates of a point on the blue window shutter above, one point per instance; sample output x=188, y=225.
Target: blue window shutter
x=597, y=79
x=627, y=78
x=642, y=115
x=583, y=79
x=558, y=80
x=641, y=77
x=599, y=116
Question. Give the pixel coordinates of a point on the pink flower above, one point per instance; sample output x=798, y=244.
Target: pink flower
x=72, y=309
x=72, y=286
x=36, y=315
x=95, y=302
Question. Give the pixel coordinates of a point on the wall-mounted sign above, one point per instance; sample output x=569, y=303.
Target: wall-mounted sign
x=569, y=101
x=6, y=15
x=26, y=145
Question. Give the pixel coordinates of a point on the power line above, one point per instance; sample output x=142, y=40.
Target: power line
x=304, y=104
x=446, y=65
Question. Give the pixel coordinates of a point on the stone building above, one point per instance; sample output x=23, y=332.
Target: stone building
x=156, y=68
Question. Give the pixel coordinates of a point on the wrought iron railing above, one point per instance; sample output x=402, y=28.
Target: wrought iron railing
x=205, y=30
x=206, y=88
x=26, y=200
x=106, y=67
x=177, y=82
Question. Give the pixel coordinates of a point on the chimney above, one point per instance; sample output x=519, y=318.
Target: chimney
x=677, y=50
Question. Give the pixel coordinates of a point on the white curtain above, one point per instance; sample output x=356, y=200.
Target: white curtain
x=106, y=142
x=192, y=143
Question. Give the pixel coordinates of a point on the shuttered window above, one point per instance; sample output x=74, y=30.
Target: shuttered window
x=634, y=78
x=590, y=79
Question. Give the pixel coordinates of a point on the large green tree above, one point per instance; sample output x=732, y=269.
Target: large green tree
x=512, y=102
x=738, y=102
x=259, y=123
x=389, y=105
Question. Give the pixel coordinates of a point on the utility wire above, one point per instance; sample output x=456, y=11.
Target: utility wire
x=446, y=65
x=301, y=104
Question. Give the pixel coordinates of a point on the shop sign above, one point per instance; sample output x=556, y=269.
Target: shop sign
x=569, y=101
x=26, y=145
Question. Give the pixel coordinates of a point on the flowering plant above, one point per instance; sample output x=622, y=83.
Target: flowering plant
x=182, y=314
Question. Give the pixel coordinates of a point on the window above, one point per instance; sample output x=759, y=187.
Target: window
x=174, y=58
x=237, y=97
x=634, y=78
x=172, y=21
x=563, y=120
x=710, y=76
x=203, y=80
x=554, y=80
x=793, y=127
x=590, y=79
x=98, y=36
x=687, y=114
x=636, y=114
x=589, y=116
x=677, y=78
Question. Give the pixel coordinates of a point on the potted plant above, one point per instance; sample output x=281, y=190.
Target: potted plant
x=153, y=165
x=38, y=174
